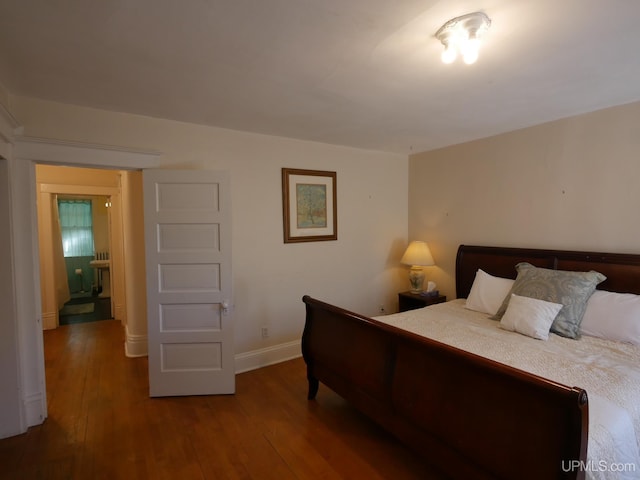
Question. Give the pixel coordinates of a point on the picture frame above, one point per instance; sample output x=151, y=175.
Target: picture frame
x=309, y=205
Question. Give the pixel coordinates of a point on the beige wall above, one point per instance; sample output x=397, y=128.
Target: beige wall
x=568, y=184
x=100, y=223
x=360, y=271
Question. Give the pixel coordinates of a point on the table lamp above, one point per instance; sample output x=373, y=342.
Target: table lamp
x=417, y=255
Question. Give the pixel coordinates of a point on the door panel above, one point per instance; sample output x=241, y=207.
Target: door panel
x=188, y=255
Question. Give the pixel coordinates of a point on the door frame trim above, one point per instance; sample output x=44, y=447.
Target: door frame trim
x=26, y=152
x=59, y=152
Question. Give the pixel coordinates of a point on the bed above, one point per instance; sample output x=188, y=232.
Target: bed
x=472, y=398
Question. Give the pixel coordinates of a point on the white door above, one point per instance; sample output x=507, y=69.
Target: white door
x=187, y=219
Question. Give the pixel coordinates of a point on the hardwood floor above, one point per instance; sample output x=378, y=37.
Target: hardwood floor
x=103, y=425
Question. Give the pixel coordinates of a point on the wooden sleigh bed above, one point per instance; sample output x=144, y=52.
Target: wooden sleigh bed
x=469, y=416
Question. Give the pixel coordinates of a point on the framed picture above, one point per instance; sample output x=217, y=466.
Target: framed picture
x=309, y=205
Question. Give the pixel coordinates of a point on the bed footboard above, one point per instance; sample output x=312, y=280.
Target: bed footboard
x=468, y=416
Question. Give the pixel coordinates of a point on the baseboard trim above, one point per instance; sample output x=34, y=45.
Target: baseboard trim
x=118, y=312
x=135, y=345
x=49, y=320
x=34, y=409
x=267, y=356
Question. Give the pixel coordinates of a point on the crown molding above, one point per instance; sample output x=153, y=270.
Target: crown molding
x=9, y=126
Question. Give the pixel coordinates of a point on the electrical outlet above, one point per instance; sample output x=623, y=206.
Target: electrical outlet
x=381, y=310
x=265, y=332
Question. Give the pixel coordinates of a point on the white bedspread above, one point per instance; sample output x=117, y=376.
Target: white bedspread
x=608, y=371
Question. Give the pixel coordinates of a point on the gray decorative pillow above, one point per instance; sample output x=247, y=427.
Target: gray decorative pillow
x=571, y=289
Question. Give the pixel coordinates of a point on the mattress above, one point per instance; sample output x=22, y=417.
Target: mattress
x=608, y=371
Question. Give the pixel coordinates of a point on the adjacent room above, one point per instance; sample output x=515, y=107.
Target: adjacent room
x=177, y=176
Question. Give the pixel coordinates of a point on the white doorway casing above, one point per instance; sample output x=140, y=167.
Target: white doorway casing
x=25, y=402
x=10, y=414
x=12, y=340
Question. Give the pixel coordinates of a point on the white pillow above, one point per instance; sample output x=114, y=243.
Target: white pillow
x=612, y=316
x=488, y=292
x=530, y=316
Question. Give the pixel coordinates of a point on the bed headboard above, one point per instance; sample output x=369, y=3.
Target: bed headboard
x=622, y=270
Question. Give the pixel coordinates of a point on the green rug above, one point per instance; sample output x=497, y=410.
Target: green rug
x=77, y=309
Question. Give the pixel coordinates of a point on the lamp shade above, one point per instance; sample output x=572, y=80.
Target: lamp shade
x=418, y=253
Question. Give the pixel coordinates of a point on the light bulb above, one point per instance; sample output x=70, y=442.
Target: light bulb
x=470, y=50
x=449, y=54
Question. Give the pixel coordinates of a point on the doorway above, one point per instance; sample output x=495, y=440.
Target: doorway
x=27, y=406
x=81, y=256
x=84, y=224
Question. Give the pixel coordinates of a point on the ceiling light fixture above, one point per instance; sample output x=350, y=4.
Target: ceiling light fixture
x=461, y=35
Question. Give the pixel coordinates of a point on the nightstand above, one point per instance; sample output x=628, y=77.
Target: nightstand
x=411, y=301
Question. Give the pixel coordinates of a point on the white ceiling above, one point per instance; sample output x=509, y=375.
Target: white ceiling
x=361, y=73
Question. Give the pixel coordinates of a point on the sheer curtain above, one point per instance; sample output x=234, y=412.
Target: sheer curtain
x=75, y=226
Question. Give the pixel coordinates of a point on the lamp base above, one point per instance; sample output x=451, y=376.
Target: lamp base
x=416, y=278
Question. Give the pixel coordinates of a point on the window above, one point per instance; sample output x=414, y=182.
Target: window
x=76, y=227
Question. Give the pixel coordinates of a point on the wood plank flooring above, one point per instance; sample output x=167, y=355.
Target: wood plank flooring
x=103, y=425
